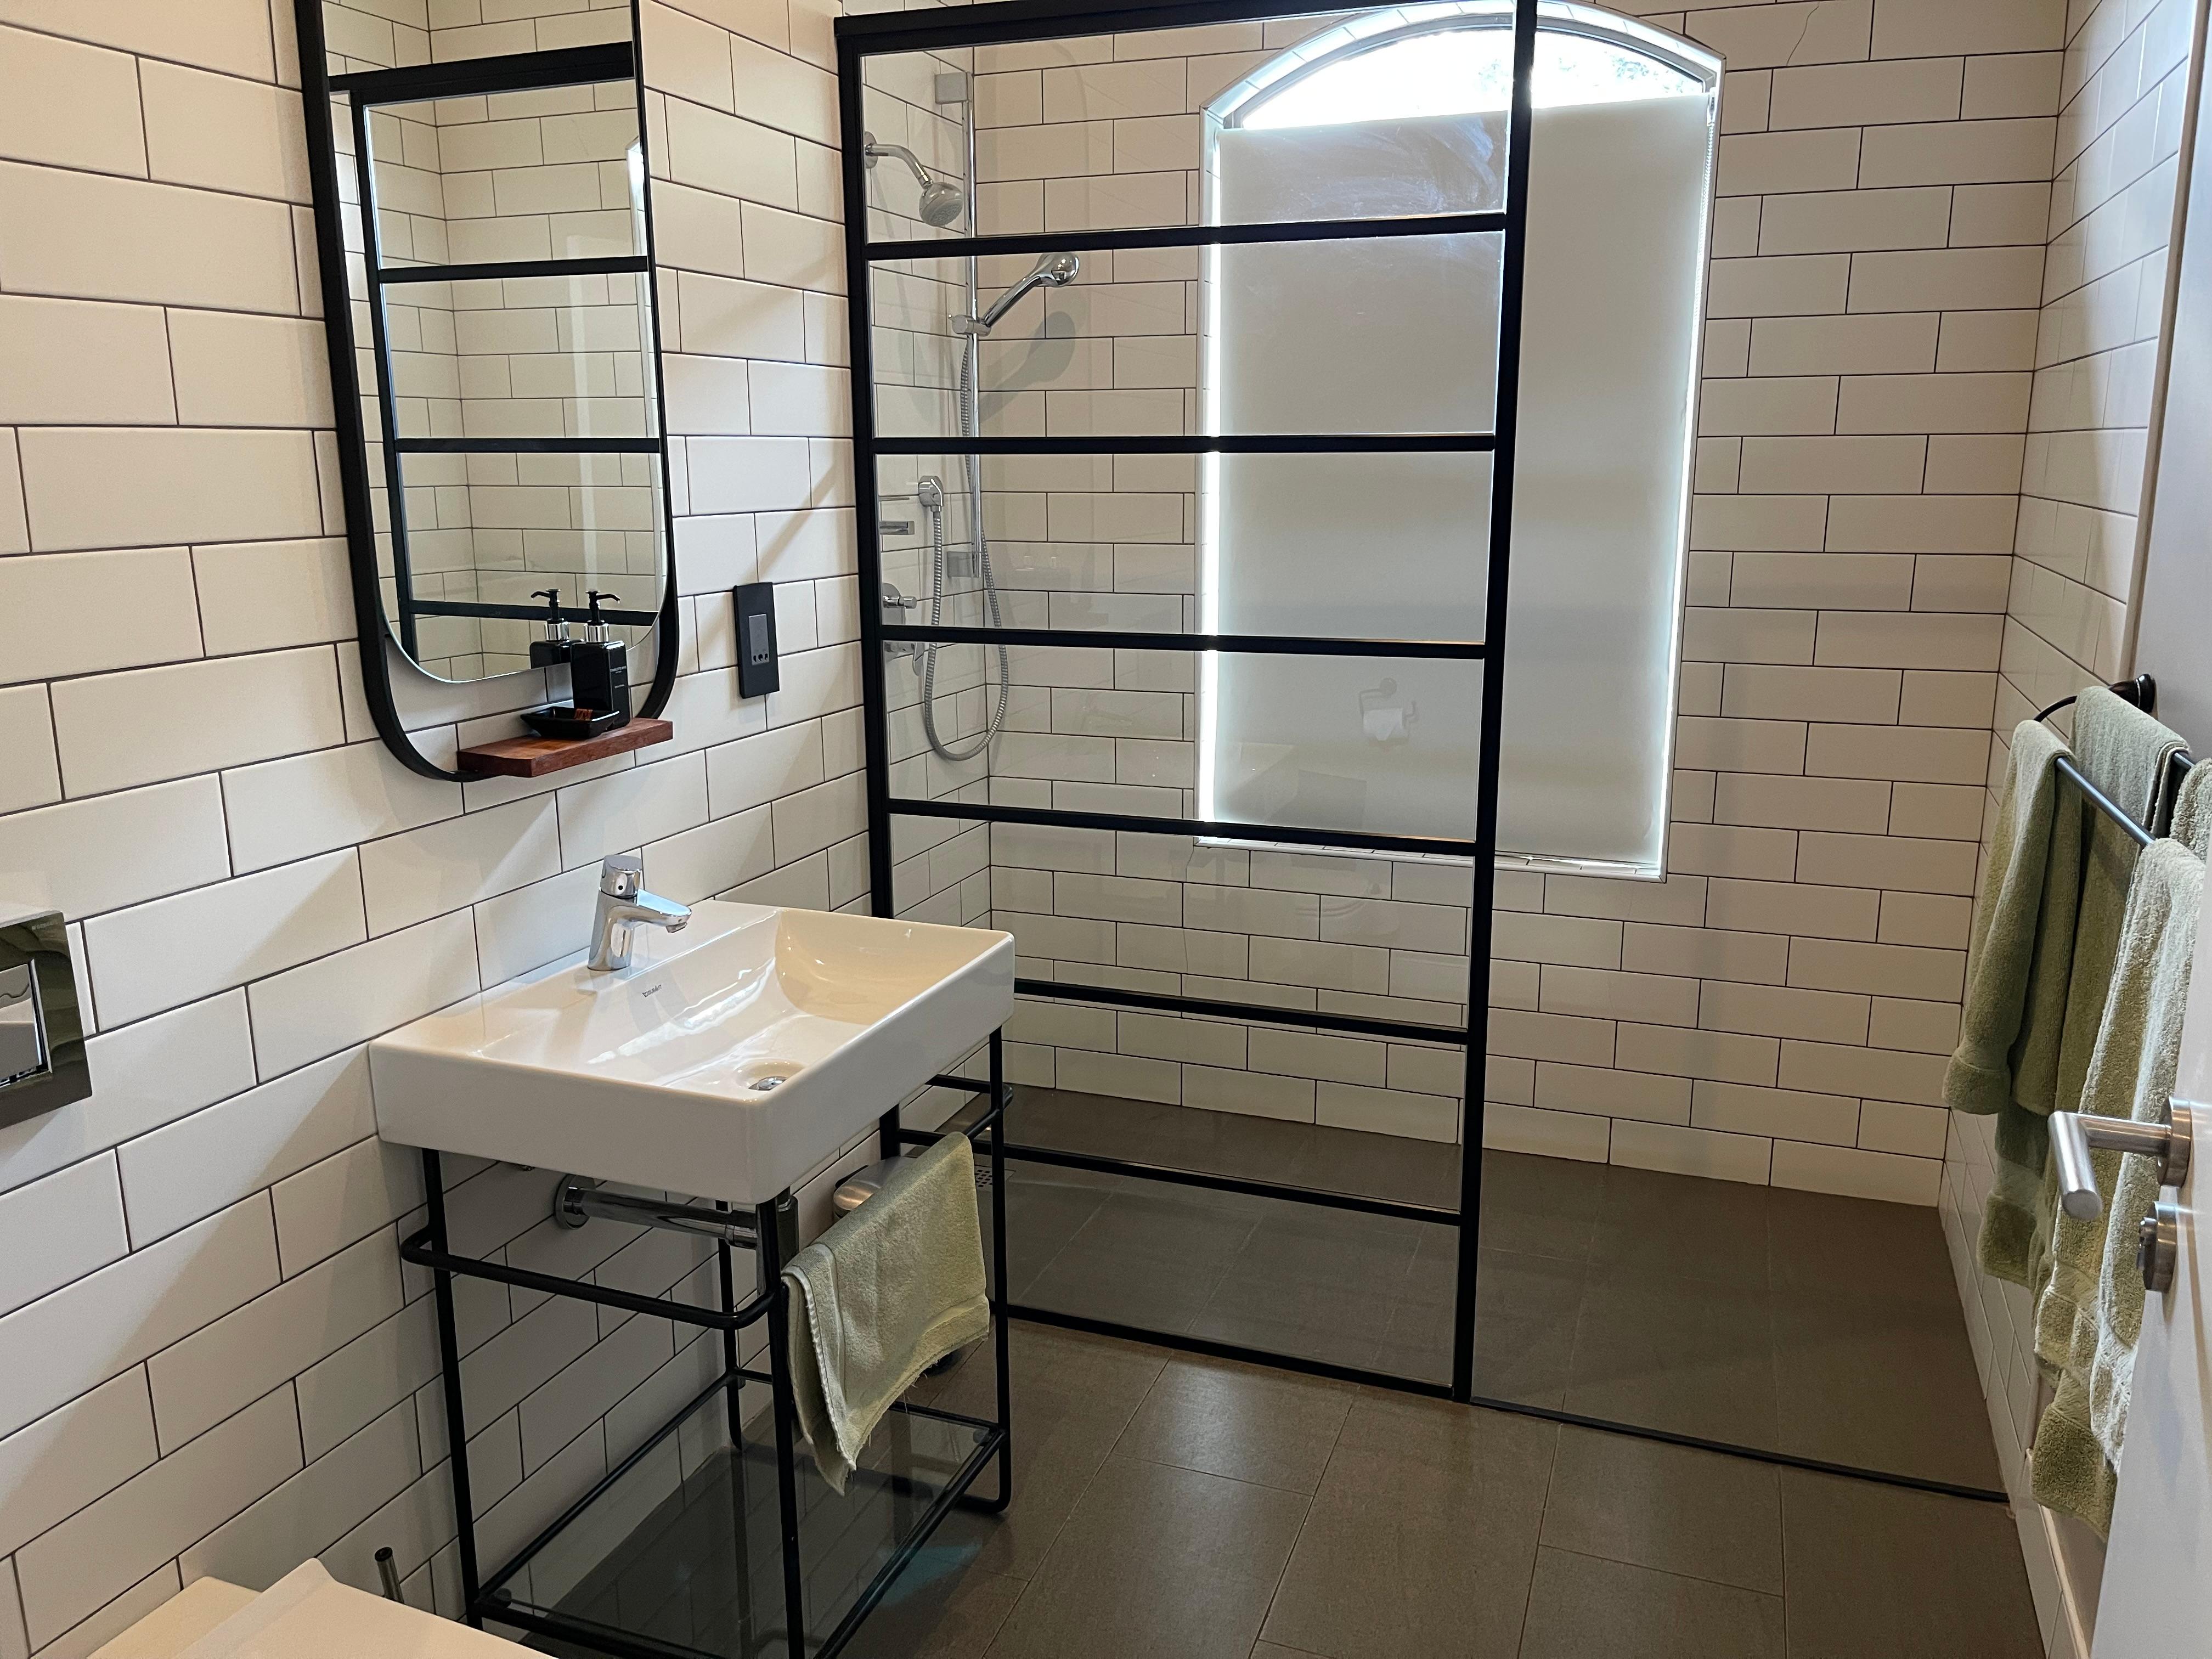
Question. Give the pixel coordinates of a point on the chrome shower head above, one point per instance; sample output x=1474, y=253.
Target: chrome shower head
x=941, y=203
x=941, y=199
x=1057, y=269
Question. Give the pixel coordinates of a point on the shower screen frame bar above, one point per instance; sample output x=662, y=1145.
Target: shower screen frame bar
x=860, y=37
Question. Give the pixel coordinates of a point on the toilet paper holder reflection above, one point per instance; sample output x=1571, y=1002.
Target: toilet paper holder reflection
x=1386, y=722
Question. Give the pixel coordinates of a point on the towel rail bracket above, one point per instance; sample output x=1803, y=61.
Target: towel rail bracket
x=2142, y=692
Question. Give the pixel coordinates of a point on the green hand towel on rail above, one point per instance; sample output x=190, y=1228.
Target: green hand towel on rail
x=885, y=1294
x=2090, y=1313
x=2015, y=966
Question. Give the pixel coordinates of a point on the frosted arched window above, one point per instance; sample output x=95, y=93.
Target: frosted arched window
x=1403, y=111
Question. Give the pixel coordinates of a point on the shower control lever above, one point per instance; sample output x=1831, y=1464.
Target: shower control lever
x=894, y=602
x=2074, y=1133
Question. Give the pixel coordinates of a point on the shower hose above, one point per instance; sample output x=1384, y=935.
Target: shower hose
x=938, y=576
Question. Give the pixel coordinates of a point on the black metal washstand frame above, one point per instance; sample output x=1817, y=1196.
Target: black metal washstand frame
x=859, y=39
x=774, y=1228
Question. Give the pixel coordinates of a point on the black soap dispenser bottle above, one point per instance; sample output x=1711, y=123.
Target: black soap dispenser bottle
x=554, y=646
x=599, y=668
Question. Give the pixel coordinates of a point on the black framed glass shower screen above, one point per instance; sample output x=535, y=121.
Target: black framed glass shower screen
x=931, y=847
x=1260, y=545
x=1588, y=1281
x=1159, y=128
x=1366, y=752
x=1328, y=335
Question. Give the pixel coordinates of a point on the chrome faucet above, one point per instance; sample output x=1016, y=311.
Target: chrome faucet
x=624, y=904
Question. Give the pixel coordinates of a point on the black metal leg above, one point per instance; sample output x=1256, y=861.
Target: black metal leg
x=776, y=1227
x=449, y=1364
x=1001, y=1296
x=730, y=1344
x=733, y=1405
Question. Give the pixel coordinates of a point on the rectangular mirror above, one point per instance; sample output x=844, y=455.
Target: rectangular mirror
x=493, y=192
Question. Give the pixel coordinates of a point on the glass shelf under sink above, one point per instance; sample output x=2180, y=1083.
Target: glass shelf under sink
x=680, y=1555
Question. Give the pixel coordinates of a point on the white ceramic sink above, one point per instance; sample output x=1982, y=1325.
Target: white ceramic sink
x=660, y=1074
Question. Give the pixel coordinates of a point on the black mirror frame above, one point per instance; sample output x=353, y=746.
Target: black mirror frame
x=372, y=627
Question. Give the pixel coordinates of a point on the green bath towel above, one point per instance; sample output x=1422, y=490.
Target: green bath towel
x=2011, y=971
x=2090, y=1312
x=2086, y=866
x=885, y=1294
x=2001, y=951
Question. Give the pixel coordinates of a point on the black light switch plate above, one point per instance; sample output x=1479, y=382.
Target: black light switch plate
x=757, y=674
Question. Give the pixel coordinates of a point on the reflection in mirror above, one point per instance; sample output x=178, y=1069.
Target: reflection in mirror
x=503, y=326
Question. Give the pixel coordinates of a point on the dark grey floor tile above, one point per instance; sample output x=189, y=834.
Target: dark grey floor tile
x=1381, y=1166
x=1272, y=1651
x=1272, y=1428
x=943, y=1607
x=1042, y=1213
x=1540, y=1206
x=1156, y=1560
x=1235, y=1144
x=1331, y=1277
x=1881, y=1384
x=1698, y=1514
x=1072, y=1397
x=1690, y=1357
x=1148, y=1258
x=1653, y=1224
x=1433, y=1280
x=1881, y=1572
x=1825, y=1244
x=1422, y=1536
x=1336, y=1324
x=1581, y=1607
x=1527, y=1309
x=1417, y=1343
x=1217, y=1143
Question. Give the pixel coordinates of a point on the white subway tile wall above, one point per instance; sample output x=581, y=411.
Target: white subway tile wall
x=215, y=1360
x=1779, y=1009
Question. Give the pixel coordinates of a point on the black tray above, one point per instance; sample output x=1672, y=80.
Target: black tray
x=564, y=720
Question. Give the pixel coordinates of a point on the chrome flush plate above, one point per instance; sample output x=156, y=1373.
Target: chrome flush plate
x=42, y=1059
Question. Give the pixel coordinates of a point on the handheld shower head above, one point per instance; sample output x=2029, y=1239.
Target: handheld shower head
x=941, y=199
x=1057, y=269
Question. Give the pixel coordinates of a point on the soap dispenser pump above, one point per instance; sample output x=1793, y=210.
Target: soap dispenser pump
x=599, y=666
x=554, y=646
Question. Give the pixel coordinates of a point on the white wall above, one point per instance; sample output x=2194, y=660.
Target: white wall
x=210, y=1358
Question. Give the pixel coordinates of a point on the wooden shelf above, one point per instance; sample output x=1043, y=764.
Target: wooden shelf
x=534, y=757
